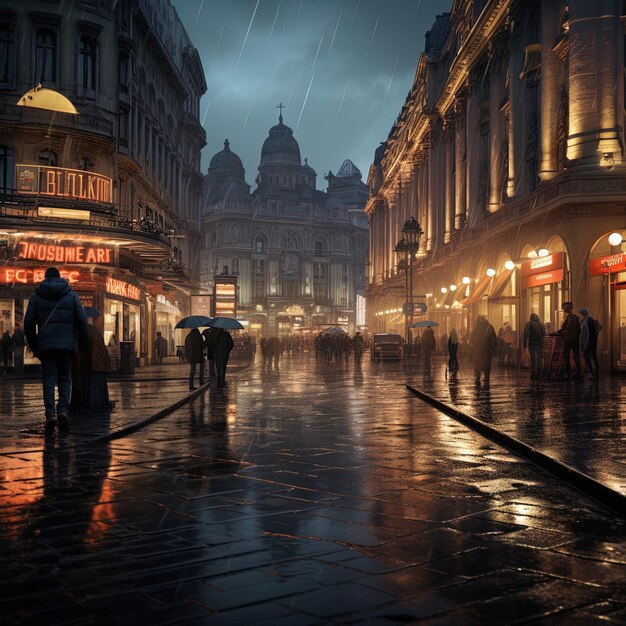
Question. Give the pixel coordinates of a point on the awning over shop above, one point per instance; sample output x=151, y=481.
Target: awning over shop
x=499, y=284
x=479, y=290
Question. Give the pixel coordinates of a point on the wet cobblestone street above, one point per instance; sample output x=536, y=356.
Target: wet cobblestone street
x=309, y=494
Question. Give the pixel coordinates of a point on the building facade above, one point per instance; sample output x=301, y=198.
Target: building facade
x=298, y=254
x=111, y=194
x=509, y=151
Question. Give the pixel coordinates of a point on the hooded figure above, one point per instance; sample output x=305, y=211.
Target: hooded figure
x=453, y=348
x=534, y=334
x=483, y=340
x=54, y=318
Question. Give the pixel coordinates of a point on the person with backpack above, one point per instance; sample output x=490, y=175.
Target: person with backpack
x=54, y=317
x=589, y=329
x=534, y=335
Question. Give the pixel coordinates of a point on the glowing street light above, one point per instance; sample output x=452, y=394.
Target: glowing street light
x=509, y=265
x=543, y=252
x=491, y=272
x=615, y=239
x=466, y=280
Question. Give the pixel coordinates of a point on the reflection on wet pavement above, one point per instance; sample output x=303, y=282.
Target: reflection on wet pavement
x=582, y=425
x=307, y=494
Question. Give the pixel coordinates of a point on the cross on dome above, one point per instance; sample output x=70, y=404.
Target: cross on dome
x=280, y=106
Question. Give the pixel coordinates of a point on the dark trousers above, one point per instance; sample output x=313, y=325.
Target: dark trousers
x=571, y=346
x=56, y=370
x=591, y=359
x=485, y=366
x=192, y=373
x=536, y=354
x=220, y=371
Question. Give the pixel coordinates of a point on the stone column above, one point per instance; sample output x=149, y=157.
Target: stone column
x=517, y=135
x=498, y=51
x=433, y=225
x=449, y=136
x=460, y=154
x=474, y=145
x=595, y=83
x=550, y=85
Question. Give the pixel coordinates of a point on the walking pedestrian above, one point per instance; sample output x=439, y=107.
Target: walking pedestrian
x=5, y=345
x=208, y=334
x=534, y=335
x=589, y=329
x=570, y=334
x=357, y=342
x=160, y=348
x=194, y=349
x=453, y=348
x=19, y=343
x=223, y=344
x=428, y=345
x=53, y=318
x=483, y=342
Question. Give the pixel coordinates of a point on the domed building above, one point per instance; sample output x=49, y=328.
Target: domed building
x=298, y=254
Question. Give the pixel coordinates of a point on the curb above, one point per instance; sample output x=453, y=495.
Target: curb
x=573, y=477
x=127, y=430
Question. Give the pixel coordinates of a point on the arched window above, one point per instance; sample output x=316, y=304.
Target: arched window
x=87, y=62
x=45, y=56
x=6, y=169
x=290, y=241
x=48, y=158
x=320, y=247
x=259, y=244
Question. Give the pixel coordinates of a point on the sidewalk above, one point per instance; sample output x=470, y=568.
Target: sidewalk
x=581, y=425
x=137, y=398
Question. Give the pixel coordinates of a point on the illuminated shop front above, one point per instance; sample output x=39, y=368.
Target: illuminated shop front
x=167, y=314
x=121, y=313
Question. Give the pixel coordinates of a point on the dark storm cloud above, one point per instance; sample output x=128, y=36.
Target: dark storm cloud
x=342, y=67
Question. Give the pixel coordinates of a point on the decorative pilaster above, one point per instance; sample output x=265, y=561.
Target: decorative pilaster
x=460, y=154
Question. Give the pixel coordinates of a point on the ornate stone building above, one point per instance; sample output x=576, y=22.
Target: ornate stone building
x=299, y=254
x=509, y=150
x=111, y=193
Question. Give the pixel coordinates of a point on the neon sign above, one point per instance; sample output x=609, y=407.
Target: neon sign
x=121, y=288
x=29, y=276
x=54, y=253
x=62, y=182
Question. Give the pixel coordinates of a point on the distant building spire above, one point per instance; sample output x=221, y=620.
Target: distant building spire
x=280, y=106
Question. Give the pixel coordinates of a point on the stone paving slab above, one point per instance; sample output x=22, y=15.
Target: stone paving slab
x=311, y=494
x=582, y=425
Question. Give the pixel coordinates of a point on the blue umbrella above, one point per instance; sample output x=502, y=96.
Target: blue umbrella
x=193, y=321
x=423, y=324
x=224, y=322
x=335, y=330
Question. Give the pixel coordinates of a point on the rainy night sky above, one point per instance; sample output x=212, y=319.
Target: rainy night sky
x=342, y=67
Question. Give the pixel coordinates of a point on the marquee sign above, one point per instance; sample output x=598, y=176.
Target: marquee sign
x=30, y=276
x=64, y=253
x=225, y=302
x=63, y=182
x=543, y=264
x=613, y=263
x=543, y=278
x=121, y=288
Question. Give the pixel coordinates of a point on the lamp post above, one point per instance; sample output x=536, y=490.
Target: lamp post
x=409, y=245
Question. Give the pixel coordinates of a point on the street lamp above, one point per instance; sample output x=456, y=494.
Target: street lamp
x=411, y=232
x=402, y=247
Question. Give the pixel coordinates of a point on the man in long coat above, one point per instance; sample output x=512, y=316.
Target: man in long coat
x=483, y=343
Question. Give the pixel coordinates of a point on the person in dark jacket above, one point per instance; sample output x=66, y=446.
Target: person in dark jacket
x=6, y=343
x=534, y=335
x=428, y=346
x=19, y=343
x=53, y=319
x=453, y=348
x=589, y=329
x=483, y=342
x=222, y=344
x=194, y=349
x=570, y=333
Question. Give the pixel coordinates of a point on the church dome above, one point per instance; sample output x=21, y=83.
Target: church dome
x=280, y=145
x=348, y=169
x=226, y=162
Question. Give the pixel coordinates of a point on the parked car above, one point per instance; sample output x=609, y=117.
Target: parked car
x=387, y=346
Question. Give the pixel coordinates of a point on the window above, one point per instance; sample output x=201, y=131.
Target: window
x=320, y=247
x=234, y=265
x=6, y=169
x=86, y=164
x=259, y=279
x=123, y=73
x=48, y=158
x=46, y=56
x=123, y=126
x=259, y=245
x=7, y=54
x=87, y=62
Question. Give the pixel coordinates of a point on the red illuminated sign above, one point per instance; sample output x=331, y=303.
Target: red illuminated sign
x=544, y=278
x=62, y=182
x=542, y=264
x=121, y=288
x=613, y=263
x=65, y=253
x=30, y=276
